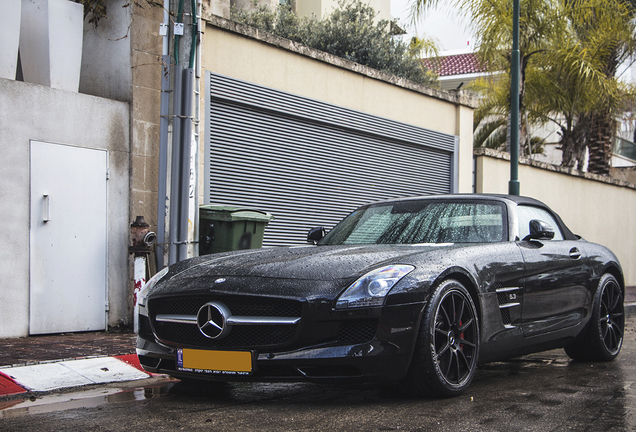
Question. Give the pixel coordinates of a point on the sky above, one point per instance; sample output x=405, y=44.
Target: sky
x=440, y=24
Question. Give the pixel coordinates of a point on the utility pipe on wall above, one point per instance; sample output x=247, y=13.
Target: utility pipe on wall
x=175, y=166
x=182, y=142
x=164, y=124
x=186, y=143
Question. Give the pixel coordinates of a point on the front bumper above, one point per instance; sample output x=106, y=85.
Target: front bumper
x=383, y=357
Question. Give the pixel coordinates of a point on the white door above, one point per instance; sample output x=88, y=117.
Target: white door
x=68, y=239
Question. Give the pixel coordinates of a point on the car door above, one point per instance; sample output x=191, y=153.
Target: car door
x=555, y=277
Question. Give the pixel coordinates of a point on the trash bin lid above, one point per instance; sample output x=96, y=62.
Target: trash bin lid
x=227, y=213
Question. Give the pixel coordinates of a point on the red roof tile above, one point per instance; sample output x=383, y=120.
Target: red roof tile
x=458, y=64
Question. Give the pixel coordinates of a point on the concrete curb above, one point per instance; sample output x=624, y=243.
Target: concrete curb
x=49, y=376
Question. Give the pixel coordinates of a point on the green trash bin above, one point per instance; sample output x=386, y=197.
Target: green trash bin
x=226, y=228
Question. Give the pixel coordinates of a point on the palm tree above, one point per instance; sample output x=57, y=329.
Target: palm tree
x=610, y=32
x=569, y=51
x=578, y=83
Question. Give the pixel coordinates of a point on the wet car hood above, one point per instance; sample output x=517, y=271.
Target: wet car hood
x=261, y=271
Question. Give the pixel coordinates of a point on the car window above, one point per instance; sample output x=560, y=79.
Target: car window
x=527, y=213
x=412, y=222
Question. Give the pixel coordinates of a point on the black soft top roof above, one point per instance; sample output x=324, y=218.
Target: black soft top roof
x=519, y=200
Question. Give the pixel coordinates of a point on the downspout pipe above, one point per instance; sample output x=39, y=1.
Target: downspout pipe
x=186, y=144
x=181, y=148
x=195, y=34
x=175, y=166
x=187, y=141
x=196, y=124
x=177, y=37
x=164, y=122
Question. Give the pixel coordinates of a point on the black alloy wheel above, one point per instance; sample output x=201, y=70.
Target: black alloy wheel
x=445, y=357
x=603, y=338
x=611, y=321
x=454, y=337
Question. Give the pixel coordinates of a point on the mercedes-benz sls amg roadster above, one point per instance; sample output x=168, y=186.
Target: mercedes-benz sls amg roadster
x=413, y=291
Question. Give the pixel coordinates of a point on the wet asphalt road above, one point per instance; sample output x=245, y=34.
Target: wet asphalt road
x=541, y=392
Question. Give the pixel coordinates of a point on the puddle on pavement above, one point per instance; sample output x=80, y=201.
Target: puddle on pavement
x=80, y=399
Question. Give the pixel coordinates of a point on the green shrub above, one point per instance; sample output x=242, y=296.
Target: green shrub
x=350, y=32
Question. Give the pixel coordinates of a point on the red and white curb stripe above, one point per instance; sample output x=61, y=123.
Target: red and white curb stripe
x=45, y=377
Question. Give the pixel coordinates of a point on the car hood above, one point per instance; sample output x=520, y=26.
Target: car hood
x=329, y=267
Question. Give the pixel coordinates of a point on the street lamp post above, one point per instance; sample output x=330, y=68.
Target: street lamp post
x=513, y=185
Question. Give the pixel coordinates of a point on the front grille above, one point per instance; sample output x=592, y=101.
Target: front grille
x=239, y=305
x=239, y=336
x=145, y=331
x=357, y=331
x=247, y=336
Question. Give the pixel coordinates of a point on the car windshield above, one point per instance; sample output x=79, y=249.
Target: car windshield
x=413, y=222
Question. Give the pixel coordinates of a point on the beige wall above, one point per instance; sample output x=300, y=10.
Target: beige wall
x=244, y=53
x=146, y=46
x=598, y=209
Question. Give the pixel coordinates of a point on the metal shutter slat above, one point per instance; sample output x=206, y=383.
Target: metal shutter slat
x=311, y=163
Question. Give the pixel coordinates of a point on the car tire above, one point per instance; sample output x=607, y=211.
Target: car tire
x=603, y=337
x=447, y=347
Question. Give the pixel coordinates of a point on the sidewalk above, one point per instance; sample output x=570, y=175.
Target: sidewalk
x=40, y=364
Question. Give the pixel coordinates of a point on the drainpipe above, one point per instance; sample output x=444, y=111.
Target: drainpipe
x=182, y=141
x=175, y=167
x=163, y=137
x=196, y=124
x=186, y=144
x=187, y=141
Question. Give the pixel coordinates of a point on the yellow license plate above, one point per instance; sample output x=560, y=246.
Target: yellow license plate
x=222, y=362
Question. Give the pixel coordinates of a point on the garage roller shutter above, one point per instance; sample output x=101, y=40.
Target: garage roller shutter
x=311, y=163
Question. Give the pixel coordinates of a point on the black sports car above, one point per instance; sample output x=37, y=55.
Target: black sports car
x=416, y=291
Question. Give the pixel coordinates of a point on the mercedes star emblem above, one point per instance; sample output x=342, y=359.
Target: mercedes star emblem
x=212, y=320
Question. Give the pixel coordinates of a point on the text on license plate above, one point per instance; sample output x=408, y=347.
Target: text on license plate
x=228, y=362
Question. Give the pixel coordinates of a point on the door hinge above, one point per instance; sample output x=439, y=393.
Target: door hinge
x=107, y=173
x=107, y=306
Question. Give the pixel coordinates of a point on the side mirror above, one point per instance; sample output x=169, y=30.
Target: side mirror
x=540, y=230
x=315, y=234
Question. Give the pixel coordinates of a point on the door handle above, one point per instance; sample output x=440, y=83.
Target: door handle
x=46, y=217
x=575, y=254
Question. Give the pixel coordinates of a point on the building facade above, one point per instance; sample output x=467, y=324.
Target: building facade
x=80, y=165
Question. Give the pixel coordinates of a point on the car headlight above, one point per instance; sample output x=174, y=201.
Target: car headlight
x=141, y=297
x=372, y=288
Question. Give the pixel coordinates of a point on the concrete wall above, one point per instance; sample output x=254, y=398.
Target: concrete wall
x=33, y=112
x=122, y=60
x=595, y=207
x=247, y=54
x=106, y=54
x=147, y=69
